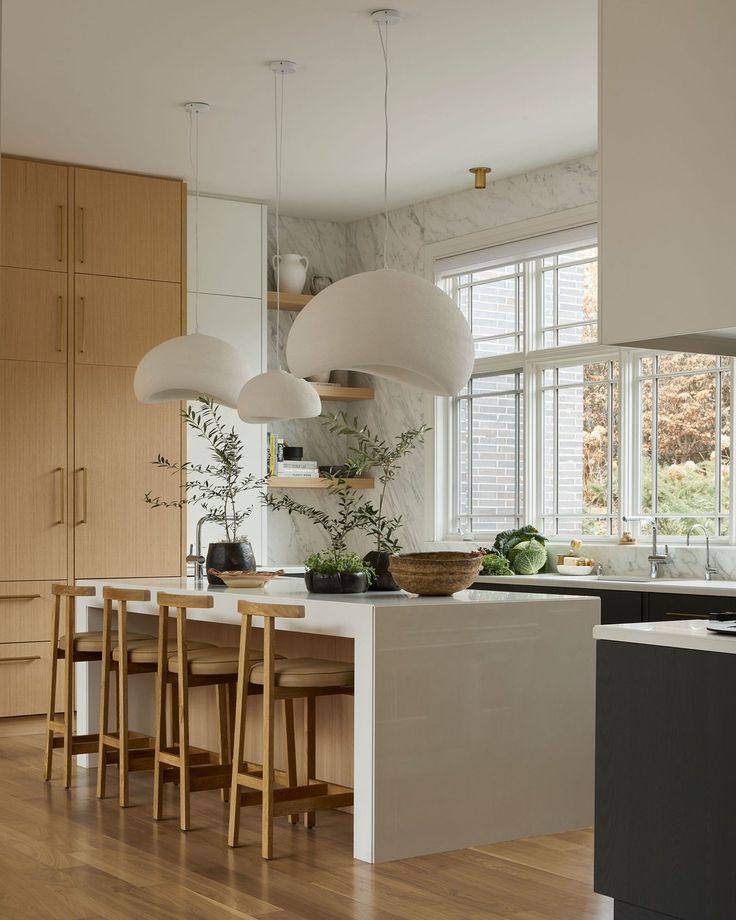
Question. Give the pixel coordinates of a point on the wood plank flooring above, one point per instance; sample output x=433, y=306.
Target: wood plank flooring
x=68, y=856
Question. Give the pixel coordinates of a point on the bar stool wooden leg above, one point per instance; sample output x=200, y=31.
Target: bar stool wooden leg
x=161, y=684
x=69, y=695
x=310, y=761
x=225, y=745
x=290, y=749
x=183, y=682
x=123, y=750
x=105, y=668
x=49, y=754
x=241, y=702
x=268, y=712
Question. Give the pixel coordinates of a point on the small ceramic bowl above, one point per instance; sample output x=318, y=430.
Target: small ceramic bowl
x=575, y=569
x=248, y=579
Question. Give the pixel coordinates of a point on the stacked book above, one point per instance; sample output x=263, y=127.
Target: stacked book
x=297, y=469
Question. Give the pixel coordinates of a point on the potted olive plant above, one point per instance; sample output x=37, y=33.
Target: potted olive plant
x=216, y=488
x=369, y=451
x=333, y=571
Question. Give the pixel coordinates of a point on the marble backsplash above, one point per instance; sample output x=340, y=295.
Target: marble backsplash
x=687, y=561
x=342, y=249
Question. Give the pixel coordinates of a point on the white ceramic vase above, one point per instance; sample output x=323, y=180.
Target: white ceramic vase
x=292, y=273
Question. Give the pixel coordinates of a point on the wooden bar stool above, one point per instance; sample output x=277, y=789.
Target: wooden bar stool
x=286, y=679
x=86, y=646
x=129, y=656
x=190, y=667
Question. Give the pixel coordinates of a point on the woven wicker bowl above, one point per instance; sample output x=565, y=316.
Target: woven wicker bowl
x=435, y=574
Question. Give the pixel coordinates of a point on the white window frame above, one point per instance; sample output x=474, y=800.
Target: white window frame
x=439, y=468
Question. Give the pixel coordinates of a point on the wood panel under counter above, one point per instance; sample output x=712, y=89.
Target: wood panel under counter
x=473, y=714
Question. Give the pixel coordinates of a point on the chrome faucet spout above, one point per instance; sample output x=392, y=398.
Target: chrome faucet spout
x=655, y=559
x=199, y=563
x=710, y=570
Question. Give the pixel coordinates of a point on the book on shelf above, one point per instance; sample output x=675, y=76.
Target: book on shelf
x=296, y=465
x=297, y=474
x=274, y=452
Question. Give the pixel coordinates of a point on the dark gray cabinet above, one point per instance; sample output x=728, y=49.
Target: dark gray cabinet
x=686, y=606
x=616, y=606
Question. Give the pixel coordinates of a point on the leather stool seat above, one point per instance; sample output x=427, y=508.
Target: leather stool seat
x=147, y=652
x=307, y=672
x=92, y=641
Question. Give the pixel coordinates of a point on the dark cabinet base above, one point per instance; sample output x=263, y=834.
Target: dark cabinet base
x=623, y=911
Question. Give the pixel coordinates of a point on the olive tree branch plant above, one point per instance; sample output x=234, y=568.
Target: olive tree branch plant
x=217, y=485
x=369, y=451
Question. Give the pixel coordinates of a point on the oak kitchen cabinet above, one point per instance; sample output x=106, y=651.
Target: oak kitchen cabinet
x=92, y=277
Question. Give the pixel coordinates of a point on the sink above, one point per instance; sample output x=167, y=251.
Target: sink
x=629, y=578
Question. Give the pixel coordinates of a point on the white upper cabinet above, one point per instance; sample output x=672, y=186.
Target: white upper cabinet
x=667, y=177
x=231, y=247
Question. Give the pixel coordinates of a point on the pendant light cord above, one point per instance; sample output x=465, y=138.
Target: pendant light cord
x=194, y=163
x=384, y=48
x=278, y=121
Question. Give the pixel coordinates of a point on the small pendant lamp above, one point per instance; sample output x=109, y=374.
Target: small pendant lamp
x=388, y=323
x=278, y=396
x=190, y=366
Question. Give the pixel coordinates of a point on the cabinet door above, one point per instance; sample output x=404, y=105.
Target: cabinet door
x=116, y=440
x=662, y=607
x=32, y=315
x=33, y=422
x=119, y=319
x=127, y=226
x=26, y=608
x=34, y=217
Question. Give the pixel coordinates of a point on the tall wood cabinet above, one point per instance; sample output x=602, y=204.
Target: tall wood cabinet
x=91, y=277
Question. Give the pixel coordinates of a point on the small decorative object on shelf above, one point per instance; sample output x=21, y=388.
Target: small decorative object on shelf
x=435, y=574
x=217, y=487
x=319, y=283
x=292, y=271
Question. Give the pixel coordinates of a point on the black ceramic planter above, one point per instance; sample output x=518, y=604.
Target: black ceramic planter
x=229, y=557
x=336, y=582
x=383, y=580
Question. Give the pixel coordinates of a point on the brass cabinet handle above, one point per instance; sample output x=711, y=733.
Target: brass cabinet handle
x=60, y=326
x=83, y=518
x=60, y=256
x=81, y=234
x=60, y=471
x=19, y=597
x=20, y=658
x=82, y=325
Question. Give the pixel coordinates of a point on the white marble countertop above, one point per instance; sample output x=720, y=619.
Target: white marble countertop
x=687, y=634
x=610, y=583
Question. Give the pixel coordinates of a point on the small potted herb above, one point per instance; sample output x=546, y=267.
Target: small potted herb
x=216, y=487
x=369, y=451
x=337, y=572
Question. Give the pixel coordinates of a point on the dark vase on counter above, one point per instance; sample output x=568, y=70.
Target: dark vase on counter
x=383, y=580
x=336, y=582
x=229, y=557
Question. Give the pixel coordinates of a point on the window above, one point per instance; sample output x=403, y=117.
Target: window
x=685, y=441
x=556, y=430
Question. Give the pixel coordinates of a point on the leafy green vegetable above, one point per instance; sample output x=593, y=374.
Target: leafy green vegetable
x=493, y=564
x=508, y=539
x=528, y=558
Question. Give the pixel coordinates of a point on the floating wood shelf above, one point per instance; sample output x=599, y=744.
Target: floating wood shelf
x=289, y=301
x=335, y=391
x=295, y=482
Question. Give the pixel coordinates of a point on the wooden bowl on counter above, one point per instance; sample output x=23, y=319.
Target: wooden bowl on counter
x=437, y=574
x=246, y=579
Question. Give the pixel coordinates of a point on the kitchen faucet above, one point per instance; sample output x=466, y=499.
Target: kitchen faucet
x=198, y=558
x=655, y=559
x=710, y=570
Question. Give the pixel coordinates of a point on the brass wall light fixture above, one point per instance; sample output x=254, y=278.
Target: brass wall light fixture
x=480, y=173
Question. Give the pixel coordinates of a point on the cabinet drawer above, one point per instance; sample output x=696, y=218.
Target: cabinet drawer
x=24, y=675
x=25, y=611
x=662, y=607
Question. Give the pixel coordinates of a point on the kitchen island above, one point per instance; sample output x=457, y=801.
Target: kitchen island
x=665, y=826
x=473, y=714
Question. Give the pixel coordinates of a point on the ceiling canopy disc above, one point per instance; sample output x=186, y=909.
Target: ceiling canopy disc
x=188, y=367
x=277, y=396
x=388, y=323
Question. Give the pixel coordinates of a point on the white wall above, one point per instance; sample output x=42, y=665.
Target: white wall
x=232, y=306
x=397, y=407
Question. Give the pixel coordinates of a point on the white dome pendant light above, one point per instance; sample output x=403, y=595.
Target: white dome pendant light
x=388, y=323
x=278, y=396
x=190, y=366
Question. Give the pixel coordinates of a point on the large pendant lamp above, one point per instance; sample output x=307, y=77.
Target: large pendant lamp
x=190, y=366
x=278, y=396
x=388, y=323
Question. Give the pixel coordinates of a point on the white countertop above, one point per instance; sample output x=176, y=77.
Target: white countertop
x=594, y=583
x=687, y=634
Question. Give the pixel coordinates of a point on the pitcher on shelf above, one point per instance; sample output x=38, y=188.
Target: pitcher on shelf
x=292, y=272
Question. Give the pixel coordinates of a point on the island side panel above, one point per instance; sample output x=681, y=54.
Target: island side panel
x=484, y=723
x=665, y=829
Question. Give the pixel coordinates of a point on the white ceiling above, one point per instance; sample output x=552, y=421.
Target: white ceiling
x=505, y=83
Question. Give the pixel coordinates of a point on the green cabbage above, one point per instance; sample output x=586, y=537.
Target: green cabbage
x=528, y=557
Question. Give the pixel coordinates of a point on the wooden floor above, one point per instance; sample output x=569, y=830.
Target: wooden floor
x=67, y=855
